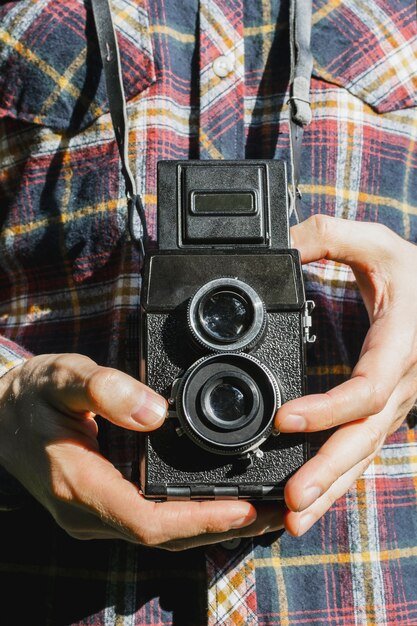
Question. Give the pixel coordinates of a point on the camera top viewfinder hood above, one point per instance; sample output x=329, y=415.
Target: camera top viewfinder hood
x=229, y=204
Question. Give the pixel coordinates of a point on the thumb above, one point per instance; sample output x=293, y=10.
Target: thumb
x=358, y=244
x=79, y=386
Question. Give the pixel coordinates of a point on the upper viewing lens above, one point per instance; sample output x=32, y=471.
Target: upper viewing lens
x=225, y=316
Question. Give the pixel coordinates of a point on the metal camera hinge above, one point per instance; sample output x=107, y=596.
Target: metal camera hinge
x=307, y=321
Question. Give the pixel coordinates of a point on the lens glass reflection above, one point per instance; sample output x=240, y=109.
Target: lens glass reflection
x=228, y=402
x=225, y=315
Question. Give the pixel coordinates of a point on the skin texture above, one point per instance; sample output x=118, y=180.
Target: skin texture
x=48, y=441
x=48, y=434
x=382, y=389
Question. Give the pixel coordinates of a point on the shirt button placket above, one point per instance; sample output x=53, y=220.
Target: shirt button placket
x=221, y=79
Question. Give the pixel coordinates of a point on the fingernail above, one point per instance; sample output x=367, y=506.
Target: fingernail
x=241, y=522
x=151, y=411
x=306, y=522
x=310, y=495
x=293, y=423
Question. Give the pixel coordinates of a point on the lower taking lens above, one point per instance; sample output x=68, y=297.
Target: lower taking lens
x=228, y=402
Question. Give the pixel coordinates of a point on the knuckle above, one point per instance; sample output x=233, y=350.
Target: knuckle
x=59, y=488
x=329, y=469
x=32, y=375
x=60, y=492
x=377, y=394
x=148, y=537
x=59, y=371
x=67, y=359
x=63, y=364
x=99, y=382
x=61, y=361
x=363, y=466
x=384, y=234
x=378, y=402
x=373, y=436
x=329, y=498
x=408, y=393
x=54, y=371
x=67, y=478
x=327, y=411
x=321, y=225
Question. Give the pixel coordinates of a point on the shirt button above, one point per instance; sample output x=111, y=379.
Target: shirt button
x=231, y=544
x=222, y=66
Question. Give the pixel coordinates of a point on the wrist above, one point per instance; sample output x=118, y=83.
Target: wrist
x=12, y=494
x=7, y=401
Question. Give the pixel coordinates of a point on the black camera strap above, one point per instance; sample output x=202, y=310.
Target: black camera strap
x=110, y=56
x=299, y=104
x=299, y=101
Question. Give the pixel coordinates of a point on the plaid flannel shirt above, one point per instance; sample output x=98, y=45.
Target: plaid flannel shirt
x=69, y=279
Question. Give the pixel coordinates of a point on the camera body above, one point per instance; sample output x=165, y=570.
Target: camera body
x=224, y=326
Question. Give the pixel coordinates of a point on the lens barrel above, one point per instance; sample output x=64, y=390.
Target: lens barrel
x=226, y=403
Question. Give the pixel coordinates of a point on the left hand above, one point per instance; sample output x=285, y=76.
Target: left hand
x=382, y=389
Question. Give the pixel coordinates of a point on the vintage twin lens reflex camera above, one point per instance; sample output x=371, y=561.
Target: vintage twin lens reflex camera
x=224, y=327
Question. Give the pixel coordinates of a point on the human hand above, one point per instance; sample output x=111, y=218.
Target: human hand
x=48, y=441
x=383, y=385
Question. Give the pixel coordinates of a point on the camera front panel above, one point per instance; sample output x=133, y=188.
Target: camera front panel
x=176, y=464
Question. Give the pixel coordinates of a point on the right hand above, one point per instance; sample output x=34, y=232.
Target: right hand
x=48, y=441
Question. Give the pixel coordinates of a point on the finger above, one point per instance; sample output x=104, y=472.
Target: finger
x=299, y=523
x=93, y=483
x=93, y=533
x=77, y=384
x=80, y=523
x=375, y=377
x=347, y=447
x=270, y=518
x=388, y=351
x=358, y=244
x=351, y=445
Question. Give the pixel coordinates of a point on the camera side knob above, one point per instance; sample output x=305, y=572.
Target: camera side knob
x=226, y=315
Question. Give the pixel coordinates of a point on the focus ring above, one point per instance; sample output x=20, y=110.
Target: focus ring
x=191, y=422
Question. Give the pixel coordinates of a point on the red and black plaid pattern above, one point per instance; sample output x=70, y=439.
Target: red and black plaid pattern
x=69, y=278
x=221, y=97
